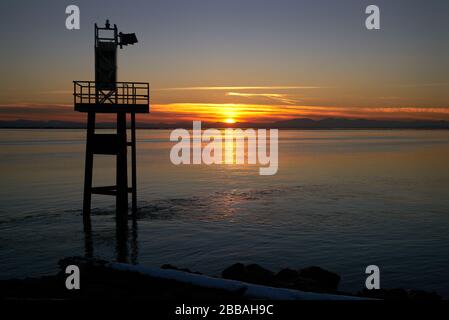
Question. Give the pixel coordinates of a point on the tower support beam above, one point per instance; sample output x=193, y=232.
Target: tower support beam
x=122, y=166
x=89, y=164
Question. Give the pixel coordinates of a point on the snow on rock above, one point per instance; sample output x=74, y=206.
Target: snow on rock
x=251, y=291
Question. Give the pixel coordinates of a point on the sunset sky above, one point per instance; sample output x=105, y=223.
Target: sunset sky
x=226, y=61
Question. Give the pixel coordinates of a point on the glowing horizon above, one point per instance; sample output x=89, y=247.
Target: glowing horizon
x=241, y=104
x=229, y=113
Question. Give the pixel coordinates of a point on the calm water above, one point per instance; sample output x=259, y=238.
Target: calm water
x=341, y=200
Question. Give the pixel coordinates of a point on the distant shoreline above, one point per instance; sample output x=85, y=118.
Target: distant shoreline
x=291, y=124
x=282, y=129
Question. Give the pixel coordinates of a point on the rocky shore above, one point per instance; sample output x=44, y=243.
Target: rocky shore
x=104, y=280
x=316, y=279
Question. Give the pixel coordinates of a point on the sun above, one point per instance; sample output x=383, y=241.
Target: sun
x=229, y=120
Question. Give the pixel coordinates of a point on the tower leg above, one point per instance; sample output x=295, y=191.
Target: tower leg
x=121, y=234
x=88, y=166
x=122, y=168
x=133, y=162
x=88, y=242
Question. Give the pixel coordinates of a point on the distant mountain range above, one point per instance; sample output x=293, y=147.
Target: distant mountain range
x=341, y=123
x=300, y=123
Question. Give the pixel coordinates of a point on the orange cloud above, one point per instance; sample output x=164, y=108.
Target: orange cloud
x=267, y=113
x=222, y=112
x=283, y=98
x=210, y=88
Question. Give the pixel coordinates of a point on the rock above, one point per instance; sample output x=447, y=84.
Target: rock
x=326, y=280
x=287, y=275
x=396, y=294
x=252, y=273
x=423, y=295
x=172, y=267
x=259, y=275
x=235, y=272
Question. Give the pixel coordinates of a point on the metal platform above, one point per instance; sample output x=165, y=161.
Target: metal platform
x=118, y=97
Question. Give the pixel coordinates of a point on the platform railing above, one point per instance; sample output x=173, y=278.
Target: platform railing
x=122, y=93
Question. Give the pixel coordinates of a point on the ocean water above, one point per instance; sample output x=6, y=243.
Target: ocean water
x=342, y=199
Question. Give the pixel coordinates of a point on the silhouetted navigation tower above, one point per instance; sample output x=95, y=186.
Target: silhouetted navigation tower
x=106, y=95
